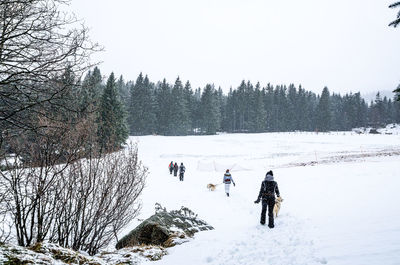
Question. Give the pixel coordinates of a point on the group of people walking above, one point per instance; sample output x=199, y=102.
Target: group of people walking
x=266, y=195
x=173, y=167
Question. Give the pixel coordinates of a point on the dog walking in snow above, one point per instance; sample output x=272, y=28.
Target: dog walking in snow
x=267, y=194
x=277, y=206
x=211, y=187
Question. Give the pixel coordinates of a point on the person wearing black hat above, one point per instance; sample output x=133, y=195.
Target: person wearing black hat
x=267, y=194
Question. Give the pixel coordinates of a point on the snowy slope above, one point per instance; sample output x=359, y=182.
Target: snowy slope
x=340, y=195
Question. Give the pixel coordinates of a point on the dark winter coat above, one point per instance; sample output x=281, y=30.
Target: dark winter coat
x=268, y=188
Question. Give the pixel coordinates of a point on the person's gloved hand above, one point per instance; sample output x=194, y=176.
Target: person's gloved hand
x=234, y=184
x=257, y=201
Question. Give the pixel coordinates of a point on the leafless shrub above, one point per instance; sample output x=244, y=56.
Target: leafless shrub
x=30, y=183
x=97, y=198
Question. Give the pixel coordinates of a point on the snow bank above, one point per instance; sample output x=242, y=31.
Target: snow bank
x=392, y=128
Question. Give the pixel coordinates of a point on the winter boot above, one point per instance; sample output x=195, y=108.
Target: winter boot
x=227, y=194
x=271, y=223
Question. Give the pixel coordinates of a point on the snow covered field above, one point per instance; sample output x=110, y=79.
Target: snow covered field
x=340, y=195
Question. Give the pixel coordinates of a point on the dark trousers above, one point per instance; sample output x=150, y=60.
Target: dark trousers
x=170, y=170
x=175, y=172
x=270, y=203
x=181, y=176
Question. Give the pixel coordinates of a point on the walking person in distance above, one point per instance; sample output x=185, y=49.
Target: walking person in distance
x=181, y=171
x=227, y=180
x=176, y=169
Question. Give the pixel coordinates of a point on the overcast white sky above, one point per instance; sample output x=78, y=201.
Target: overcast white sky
x=343, y=44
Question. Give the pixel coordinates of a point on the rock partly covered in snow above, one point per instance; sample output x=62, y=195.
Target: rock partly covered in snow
x=165, y=229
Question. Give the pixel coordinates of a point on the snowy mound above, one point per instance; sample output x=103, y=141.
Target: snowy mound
x=211, y=166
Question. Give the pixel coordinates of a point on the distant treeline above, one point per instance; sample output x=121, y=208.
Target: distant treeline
x=177, y=109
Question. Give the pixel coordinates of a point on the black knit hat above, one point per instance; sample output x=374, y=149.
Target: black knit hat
x=270, y=173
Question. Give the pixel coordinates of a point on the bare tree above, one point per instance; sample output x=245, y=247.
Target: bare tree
x=38, y=43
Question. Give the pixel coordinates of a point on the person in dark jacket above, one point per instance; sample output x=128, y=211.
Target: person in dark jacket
x=176, y=169
x=267, y=194
x=181, y=171
x=171, y=167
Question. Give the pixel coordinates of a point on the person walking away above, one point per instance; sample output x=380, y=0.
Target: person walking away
x=175, y=169
x=171, y=167
x=227, y=180
x=267, y=194
x=181, y=171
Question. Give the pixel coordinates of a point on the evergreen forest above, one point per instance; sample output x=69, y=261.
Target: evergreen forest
x=143, y=107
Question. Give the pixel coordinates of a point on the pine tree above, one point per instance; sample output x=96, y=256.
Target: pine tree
x=142, y=117
x=180, y=115
x=66, y=106
x=323, y=115
x=190, y=103
x=259, y=118
x=377, y=111
x=91, y=91
x=196, y=110
x=209, y=111
x=292, y=118
x=221, y=101
x=112, y=129
x=123, y=92
x=229, y=119
x=241, y=104
x=163, y=110
x=268, y=93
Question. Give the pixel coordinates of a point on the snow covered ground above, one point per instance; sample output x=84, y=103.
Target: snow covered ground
x=340, y=195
